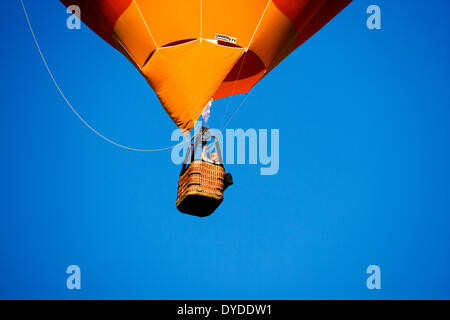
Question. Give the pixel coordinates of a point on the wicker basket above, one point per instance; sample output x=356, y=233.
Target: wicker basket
x=200, y=188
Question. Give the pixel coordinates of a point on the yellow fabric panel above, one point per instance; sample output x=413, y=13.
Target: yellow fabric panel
x=131, y=34
x=172, y=20
x=185, y=77
x=275, y=33
x=234, y=18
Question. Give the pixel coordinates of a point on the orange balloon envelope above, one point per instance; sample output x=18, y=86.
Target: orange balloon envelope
x=191, y=51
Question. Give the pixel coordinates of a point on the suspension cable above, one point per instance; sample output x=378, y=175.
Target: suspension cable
x=72, y=107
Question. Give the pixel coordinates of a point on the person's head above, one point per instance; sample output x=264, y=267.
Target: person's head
x=214, y=156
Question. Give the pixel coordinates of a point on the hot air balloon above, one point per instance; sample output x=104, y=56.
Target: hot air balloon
x=192, y=51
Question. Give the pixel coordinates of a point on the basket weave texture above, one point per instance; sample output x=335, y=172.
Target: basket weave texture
x=201, y=178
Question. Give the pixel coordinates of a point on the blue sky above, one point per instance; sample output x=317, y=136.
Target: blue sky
x=364, y=176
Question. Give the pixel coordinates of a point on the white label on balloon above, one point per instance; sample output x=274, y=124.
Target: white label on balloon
x=226, y=38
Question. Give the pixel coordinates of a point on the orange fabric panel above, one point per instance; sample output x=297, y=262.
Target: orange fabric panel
x=185, y=77
x=273, y=34
x=132, y=34
x=234, y=18
x=172, y=20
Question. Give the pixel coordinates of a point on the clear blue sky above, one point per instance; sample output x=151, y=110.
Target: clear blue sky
x=364, y=169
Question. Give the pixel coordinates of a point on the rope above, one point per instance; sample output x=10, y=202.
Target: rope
x=233, y=89
x=74, y=110
x=257, y=27
x=234, y=112
x=239, y=73
x=248, y=46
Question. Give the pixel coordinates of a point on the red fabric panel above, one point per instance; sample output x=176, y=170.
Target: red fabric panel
x=326, y=13
x=248, y=65
x=309, y=16
x=299, y=11
x=100, y=15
